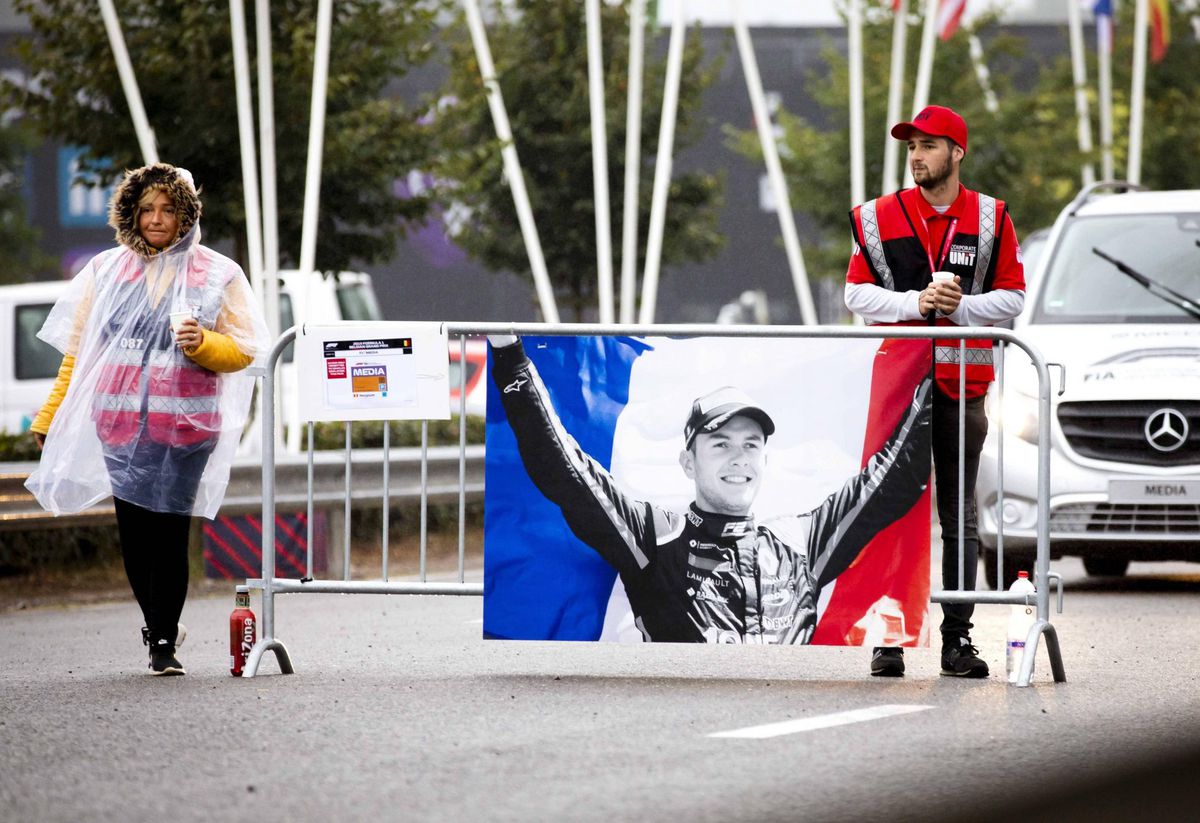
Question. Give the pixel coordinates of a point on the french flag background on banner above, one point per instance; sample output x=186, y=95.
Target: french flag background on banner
x=625, y=401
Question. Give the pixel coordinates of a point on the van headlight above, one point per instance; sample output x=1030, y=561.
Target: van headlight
x=1018, y=415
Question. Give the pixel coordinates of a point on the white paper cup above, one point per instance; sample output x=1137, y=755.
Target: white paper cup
x=177, y=317
x=943, y=277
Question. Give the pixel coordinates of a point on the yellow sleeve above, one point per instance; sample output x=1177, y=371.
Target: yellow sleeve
x=217, y=352
x=41, y=423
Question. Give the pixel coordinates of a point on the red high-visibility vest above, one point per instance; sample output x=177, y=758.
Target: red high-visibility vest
x=180, y=397
x=886, y=233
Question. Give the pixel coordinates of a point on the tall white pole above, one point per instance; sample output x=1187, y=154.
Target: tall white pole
x=316, y=138
x=512, y=164
x=662, y=166
x=604, y=269
x=924, y=69
x=766, y=135
x=245, y=116
x=1137, y=96
x=1104, y=49
x=633, y=160
x=270, y=212
x=891, y=146
x=858, y=172
x=133, y=96
x=266, y=143
x=1079, y=74
x=983, y=75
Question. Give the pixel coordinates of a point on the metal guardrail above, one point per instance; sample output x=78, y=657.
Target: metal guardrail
x=20, y=511
x=1042, y=630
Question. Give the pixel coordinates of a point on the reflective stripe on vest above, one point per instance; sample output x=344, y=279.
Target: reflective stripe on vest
x=874, y=243
x=178, y=406
x=953, y=354
x=987, y=240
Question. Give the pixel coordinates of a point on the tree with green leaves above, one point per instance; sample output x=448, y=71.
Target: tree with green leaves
x=540, y=51
x=1026, y=152
x=181, y=52
x=21, y=260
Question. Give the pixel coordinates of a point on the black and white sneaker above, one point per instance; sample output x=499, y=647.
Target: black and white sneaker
x=961, y=659
x=887, y=662
x=163, y=660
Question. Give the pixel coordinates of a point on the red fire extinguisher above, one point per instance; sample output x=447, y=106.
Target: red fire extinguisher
x=243, y=631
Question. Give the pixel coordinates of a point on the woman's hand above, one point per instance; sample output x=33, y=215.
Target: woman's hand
x=39, y=438
x=189, y=335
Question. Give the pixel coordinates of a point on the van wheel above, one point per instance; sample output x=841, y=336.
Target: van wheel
x=1105, y=566
x=1012, y=565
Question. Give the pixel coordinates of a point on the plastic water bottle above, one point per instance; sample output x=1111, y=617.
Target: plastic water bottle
x=1020, y=620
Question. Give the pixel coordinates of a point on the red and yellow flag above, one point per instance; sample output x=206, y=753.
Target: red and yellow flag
x=1160, y=29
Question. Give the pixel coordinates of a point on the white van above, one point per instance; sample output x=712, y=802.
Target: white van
x=28, y=367
x=1114, y=301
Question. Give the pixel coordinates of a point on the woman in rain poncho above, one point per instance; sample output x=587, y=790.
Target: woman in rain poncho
x=144, y=411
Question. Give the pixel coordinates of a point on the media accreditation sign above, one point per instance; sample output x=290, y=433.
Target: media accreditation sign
x=373, y=371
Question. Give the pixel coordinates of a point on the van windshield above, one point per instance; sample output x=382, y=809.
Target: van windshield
x=357, y=302
x=1081, y=287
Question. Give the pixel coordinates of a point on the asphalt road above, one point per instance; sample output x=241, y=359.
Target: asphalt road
x=400, y=711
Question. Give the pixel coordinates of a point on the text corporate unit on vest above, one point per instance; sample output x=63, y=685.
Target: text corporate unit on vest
x=373, y=371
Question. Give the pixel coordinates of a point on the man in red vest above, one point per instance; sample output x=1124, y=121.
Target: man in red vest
x=901, y=239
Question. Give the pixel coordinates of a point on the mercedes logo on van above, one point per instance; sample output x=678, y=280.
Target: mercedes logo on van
x=1166, y=430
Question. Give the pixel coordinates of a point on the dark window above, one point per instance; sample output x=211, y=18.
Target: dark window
x=36, y=360
x=357, y=302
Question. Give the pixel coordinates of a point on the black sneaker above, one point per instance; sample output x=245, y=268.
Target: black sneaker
x=961, y=659
x=887, y=662
x=163, y=660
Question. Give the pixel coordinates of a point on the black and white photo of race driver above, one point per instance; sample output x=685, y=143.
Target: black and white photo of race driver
x=714, y=573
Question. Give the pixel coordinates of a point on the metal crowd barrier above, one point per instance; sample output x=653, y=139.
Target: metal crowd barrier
x=271, y=585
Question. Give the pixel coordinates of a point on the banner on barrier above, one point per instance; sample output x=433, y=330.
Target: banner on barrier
x=727, y=490
x=373, y=371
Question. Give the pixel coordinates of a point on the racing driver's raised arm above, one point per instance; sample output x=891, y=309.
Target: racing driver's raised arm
x=598, y=512
x=886, y=488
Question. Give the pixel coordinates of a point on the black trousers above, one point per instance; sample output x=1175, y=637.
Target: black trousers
x=154, y=546
x=956, y=617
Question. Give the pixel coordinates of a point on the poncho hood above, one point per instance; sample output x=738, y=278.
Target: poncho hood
x=122, y=209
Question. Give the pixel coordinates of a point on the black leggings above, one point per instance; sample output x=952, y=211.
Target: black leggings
x=956, y=617
x=154, y=546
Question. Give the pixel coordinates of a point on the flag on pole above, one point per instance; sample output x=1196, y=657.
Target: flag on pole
x=949, y=15
x=1160, y=29
x=1104, y=25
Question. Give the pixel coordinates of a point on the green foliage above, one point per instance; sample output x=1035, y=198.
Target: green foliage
x=539, y=47
x=404, y=434
x=16, y=448
x=181, y=51
x=21, y=260
x=1026, y=153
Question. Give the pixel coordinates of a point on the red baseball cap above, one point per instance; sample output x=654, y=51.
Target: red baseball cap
x=938, y=121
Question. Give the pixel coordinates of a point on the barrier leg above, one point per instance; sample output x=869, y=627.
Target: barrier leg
x=263, y=646
x=1052, y=651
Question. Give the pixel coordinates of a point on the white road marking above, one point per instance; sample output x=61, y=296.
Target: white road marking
x=824, y=721
x=476, y=622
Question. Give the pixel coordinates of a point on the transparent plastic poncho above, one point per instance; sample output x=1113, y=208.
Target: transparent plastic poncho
x=140, y=419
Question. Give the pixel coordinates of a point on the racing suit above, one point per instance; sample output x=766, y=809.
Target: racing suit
x=704, y=577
